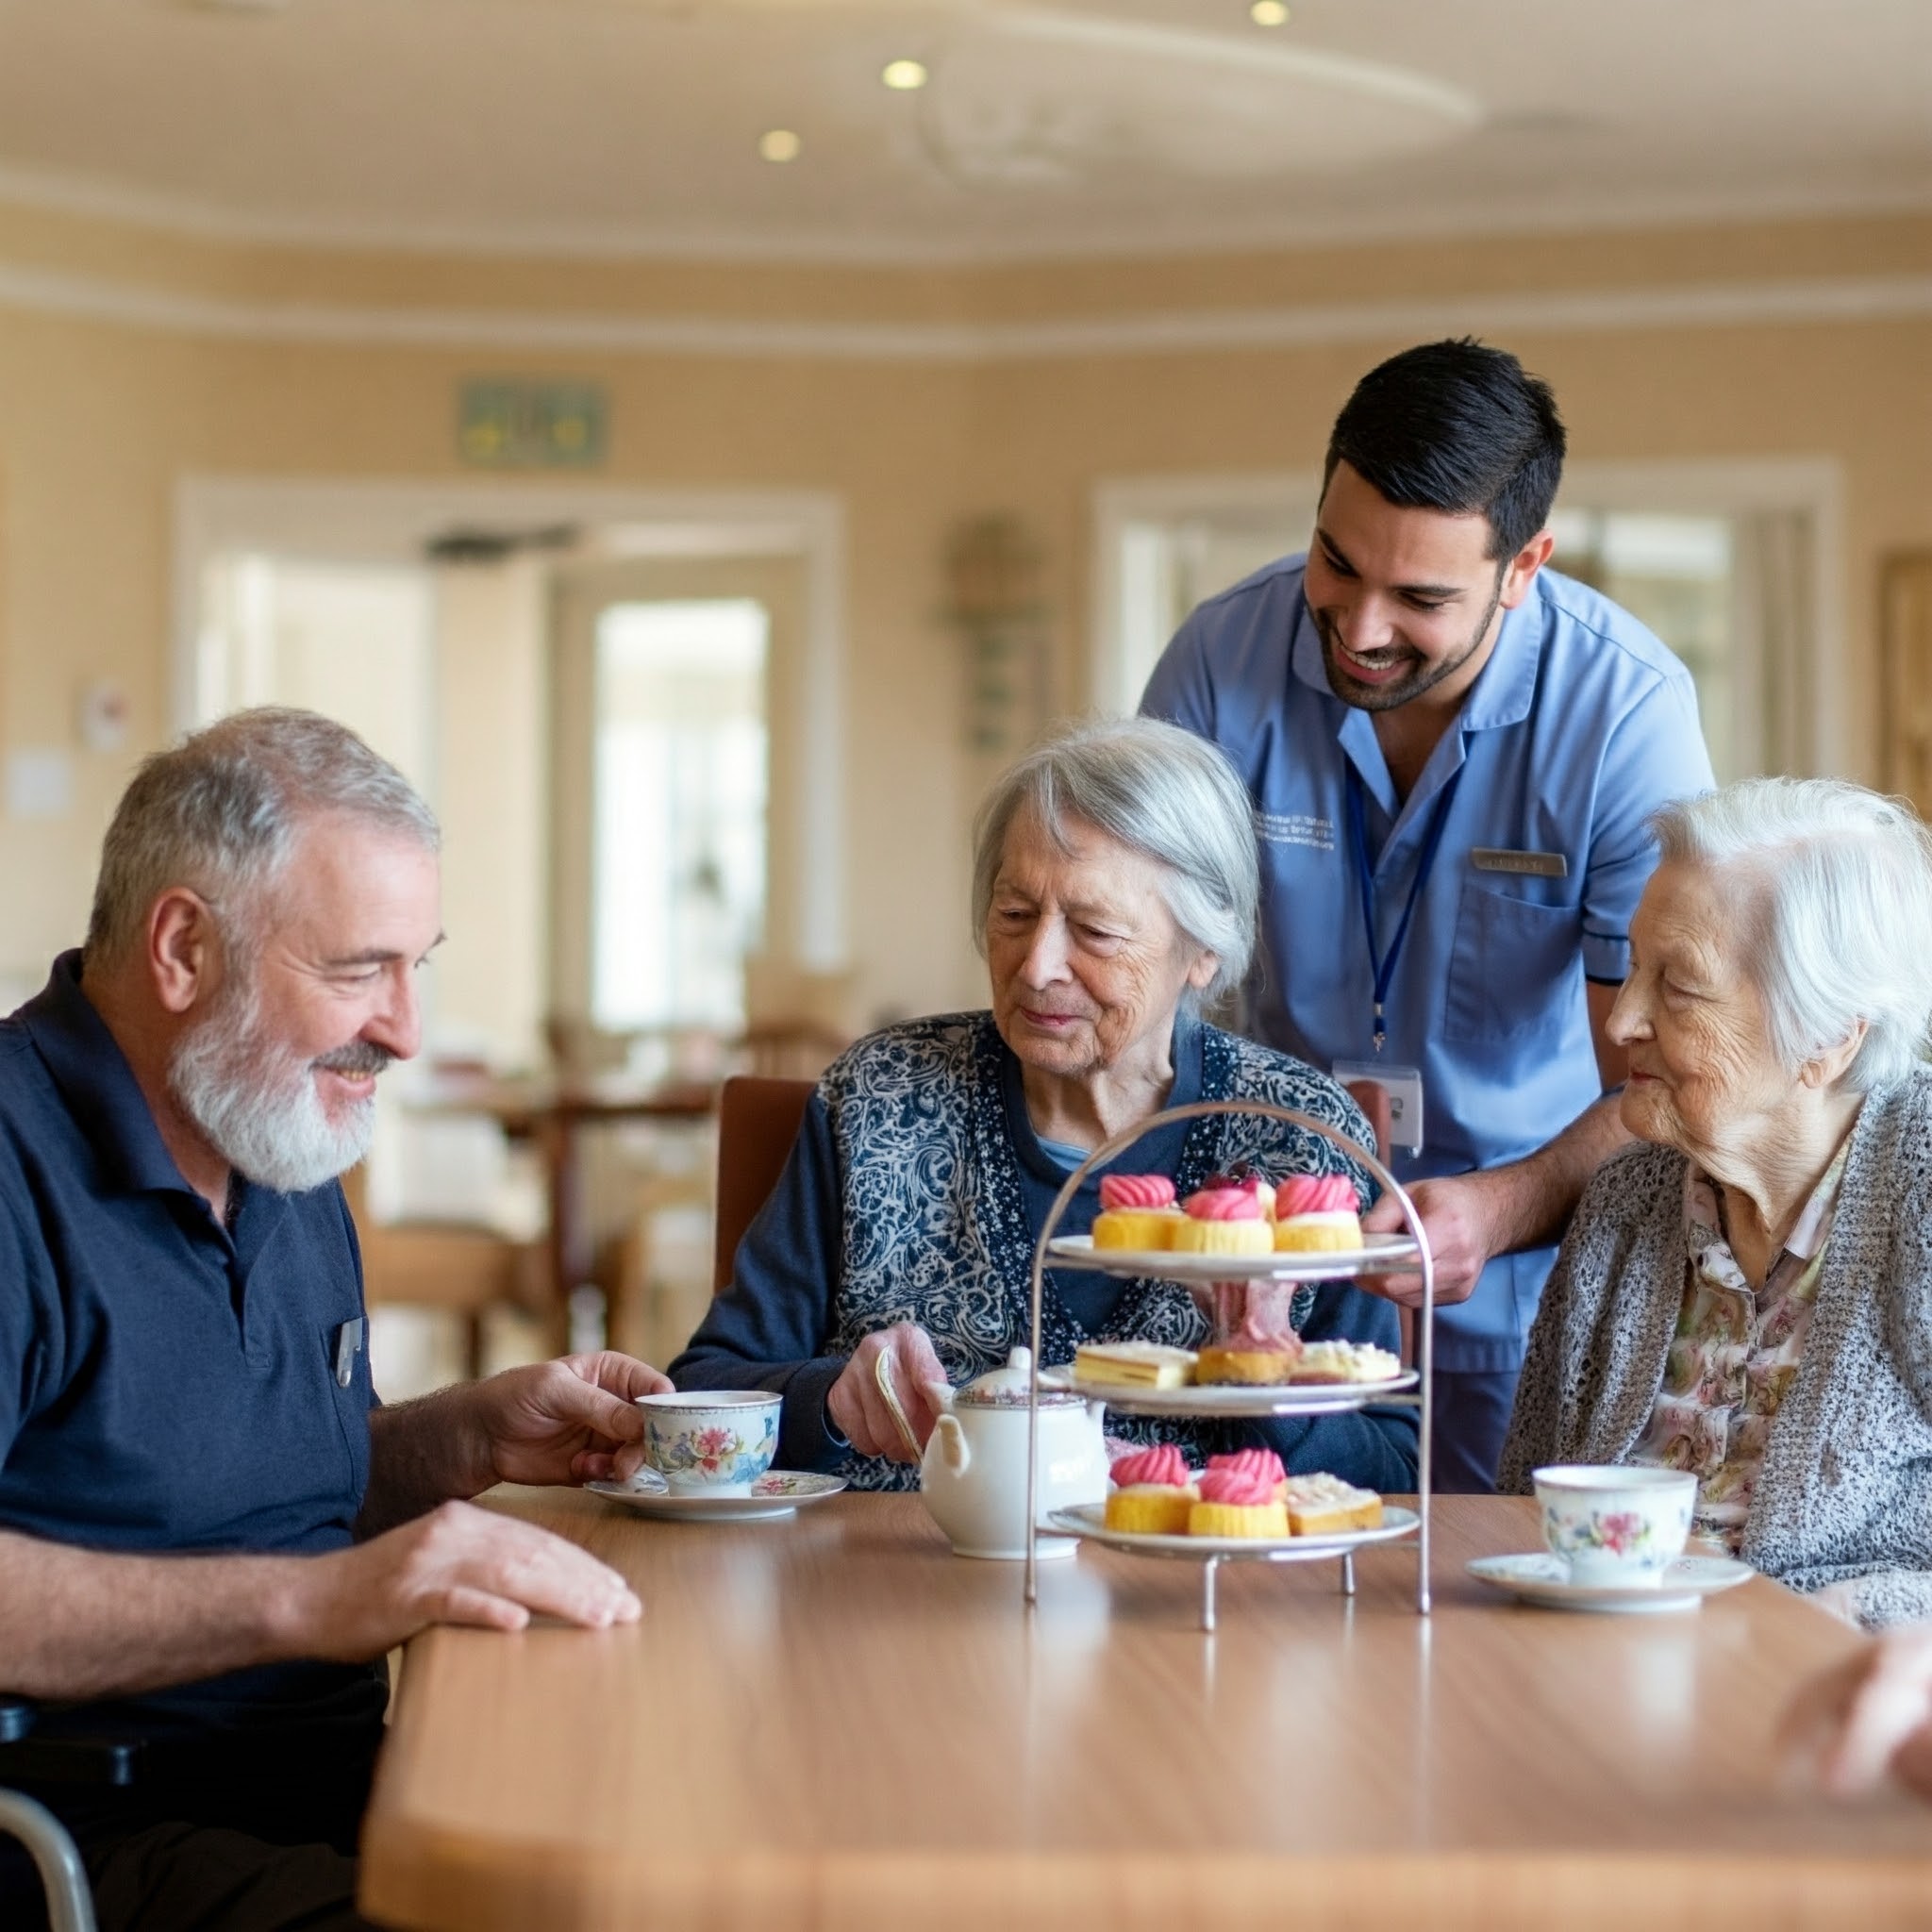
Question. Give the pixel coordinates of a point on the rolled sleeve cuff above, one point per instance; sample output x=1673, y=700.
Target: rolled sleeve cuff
x=1606, y=957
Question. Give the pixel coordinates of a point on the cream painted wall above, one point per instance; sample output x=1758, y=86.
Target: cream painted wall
x=96, y=424
x=98, y=421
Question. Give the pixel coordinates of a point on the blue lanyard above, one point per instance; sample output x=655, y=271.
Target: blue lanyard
x=1384, y=967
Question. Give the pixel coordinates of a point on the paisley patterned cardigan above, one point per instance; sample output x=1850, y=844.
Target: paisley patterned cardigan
x=1845, y=1492
x=934, y=1227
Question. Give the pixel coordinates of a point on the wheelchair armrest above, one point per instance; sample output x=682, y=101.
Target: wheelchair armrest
x=33, y=1753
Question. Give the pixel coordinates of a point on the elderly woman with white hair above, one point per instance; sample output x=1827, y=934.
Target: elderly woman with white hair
x=1115, y=888
x=1749, y=1296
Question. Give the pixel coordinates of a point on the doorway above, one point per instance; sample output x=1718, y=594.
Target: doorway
x=674, y=718
x=481, y=691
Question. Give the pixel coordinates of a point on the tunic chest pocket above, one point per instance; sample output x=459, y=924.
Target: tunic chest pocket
x=1511, y=956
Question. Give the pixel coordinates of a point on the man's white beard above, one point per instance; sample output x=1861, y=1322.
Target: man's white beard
x=254, y=1101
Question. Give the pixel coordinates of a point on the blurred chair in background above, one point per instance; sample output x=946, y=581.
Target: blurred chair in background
x=462, y=1269
x=794, y=1049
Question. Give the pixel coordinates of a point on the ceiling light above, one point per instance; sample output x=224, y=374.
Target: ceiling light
x=1268, y=13
x=780, y=144
x=904, y=75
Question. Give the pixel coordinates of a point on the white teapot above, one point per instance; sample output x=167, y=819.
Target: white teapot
x=973, y=1472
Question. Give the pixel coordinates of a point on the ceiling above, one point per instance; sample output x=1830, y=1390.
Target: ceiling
x=1069, y=126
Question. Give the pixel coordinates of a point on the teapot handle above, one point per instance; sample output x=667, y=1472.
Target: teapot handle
x=952, y=1444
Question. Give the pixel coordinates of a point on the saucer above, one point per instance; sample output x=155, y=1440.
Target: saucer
x=777, y=1492
x=1540, y=1578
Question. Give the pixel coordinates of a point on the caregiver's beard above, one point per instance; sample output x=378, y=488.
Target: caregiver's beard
x=255, y=1101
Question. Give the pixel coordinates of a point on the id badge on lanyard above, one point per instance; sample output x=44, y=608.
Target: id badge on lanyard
x=1404, y=1087
x=1402, y=1084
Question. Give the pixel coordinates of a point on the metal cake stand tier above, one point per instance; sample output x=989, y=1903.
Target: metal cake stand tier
x=1411, y=1390
x=1378, y=1255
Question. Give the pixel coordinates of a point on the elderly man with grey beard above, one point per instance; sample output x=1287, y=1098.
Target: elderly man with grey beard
x=211, y=1531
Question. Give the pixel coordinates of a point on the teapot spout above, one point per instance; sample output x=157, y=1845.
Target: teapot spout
x=951, y=1439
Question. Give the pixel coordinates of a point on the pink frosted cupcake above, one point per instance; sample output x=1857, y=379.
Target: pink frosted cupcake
x=1223, y=1221
x=1152, y=1492
x=1316, y=1213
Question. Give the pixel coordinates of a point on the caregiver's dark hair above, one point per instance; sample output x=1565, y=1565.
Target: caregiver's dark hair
x=1460, y=427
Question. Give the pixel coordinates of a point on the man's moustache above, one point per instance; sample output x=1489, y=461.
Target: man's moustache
x=358, y=1057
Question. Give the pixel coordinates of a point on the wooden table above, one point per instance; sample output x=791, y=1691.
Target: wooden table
x=832, y=1722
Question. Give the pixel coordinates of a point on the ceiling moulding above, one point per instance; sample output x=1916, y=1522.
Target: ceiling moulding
x=87, y=197
x=1871, y=298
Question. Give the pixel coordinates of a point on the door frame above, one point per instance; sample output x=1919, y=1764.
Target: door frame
x=370, y=520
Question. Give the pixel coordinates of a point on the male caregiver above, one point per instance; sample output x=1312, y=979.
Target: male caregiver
x=1453, y=752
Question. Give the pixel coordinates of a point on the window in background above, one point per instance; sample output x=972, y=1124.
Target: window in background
x=1729, y=565
x=681, y=777
x=1677, y=574
x=355, y=641
x=1159, y=567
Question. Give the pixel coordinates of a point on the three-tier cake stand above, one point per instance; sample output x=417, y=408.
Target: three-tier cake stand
x=1380, y=1254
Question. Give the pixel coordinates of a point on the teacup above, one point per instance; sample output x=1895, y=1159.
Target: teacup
x=1616, y=1525
x=715, y=1440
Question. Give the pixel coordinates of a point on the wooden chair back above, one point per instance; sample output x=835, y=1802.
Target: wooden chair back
x=758, y=1121
x=463, y=1270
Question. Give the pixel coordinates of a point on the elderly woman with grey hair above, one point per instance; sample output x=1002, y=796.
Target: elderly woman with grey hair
x=1115, y=885
x=1749, y=1296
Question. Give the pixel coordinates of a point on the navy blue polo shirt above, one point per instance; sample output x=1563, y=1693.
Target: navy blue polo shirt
x=168, y=1384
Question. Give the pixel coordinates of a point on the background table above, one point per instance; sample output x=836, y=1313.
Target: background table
x=554, y=1114
x=830, y=1722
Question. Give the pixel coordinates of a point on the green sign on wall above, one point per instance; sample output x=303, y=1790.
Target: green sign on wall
x=522, y=425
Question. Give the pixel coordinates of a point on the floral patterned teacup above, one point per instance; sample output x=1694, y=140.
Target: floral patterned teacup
x=717, y=1440
x=1616, y=1525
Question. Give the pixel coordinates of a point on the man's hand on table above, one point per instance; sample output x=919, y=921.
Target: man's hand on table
x=574, y=1420
x=1457, y=1213
x=551, y=1423
x=855, y=1406
x=458, y=1564
x=1867, y=1718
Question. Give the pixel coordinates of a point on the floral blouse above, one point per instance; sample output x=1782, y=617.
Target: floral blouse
x=1735, y=1354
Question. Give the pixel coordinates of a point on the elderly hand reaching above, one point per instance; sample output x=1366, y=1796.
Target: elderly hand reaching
x=857, y=1405
x=1868, y=1718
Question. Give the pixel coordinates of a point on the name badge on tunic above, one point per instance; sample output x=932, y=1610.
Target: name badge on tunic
x=1404, y=1087
x=1543, y=865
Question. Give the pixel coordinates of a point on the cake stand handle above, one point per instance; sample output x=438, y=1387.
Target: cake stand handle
x=1119, y=1144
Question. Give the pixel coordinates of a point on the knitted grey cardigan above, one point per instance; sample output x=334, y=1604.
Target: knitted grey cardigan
x=1845, y=1492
